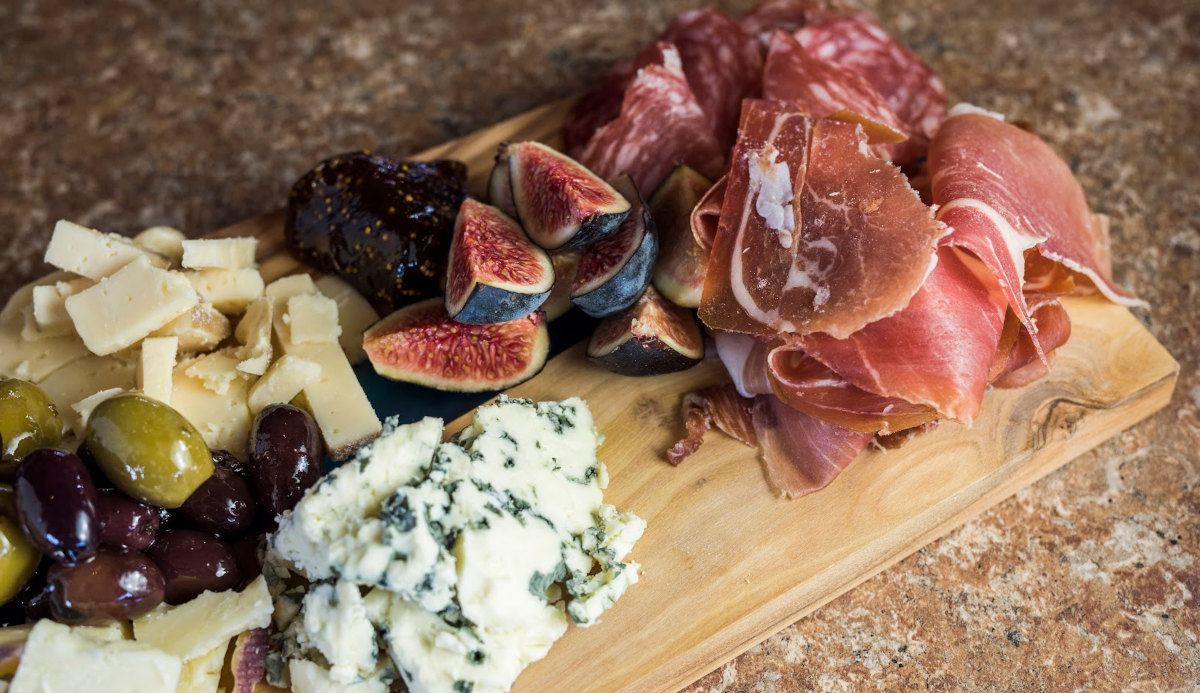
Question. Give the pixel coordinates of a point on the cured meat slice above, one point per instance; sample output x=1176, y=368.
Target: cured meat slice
x=938, y=351
x=745, y=358
x=824, y=89
x=707, y=214
x=720, y=405
x=807, y=385
x=659, y=127
x=783, y=15
x=722, y=63
x=603, y=104
x=802, y=454
x=816, y=234
x=892, y=441
x=1024, y=363
x=856, y=41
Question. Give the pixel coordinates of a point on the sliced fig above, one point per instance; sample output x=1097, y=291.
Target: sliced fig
x=566, y=264
x=651, y=337
x=383, y=225
x=679, y=272
x=495, y=273
x=615, y=270
x=500, y=184
x=421, y=344
x=559, y=201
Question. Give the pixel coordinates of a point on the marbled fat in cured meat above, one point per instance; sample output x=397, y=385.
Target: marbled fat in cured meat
x=816, y=234
x=602, y=104
x=745, y=358
x=707, y=214
x=660, y=126
x=802, y=454
x=937, y=352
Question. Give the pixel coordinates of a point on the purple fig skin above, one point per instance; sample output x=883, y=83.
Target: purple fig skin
x=56, y=504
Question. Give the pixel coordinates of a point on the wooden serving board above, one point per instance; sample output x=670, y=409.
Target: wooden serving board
x=725, y=561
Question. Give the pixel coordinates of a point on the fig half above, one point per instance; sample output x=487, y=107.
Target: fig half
x=495, y=273
x=615, y=270
x=679, y=272
x=500, y=184
x=651, y=337
x=559, y=201
x=421, y=344
x=566, y=265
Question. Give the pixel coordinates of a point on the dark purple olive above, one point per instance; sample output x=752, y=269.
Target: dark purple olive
x=34, y=598
x=222, y=505
x=285, y=456
x=56, y=503
x=112, y=586
x=227, y=460
x=124, y=522
x=99, y=480
x=245, y=552
x=192, y=562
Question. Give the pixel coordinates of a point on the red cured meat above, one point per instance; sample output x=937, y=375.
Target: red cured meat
x=1023, y=363
x=719, y=405
x=853, y=246
x=603, y=104
x=937, y=352
x=856, y=42
x=783, y=15
x=810, y=386
x=707, y=214
x=822, y=89
x=802, y=454
x=659, y=127
x=745, y=358
x=722, y=63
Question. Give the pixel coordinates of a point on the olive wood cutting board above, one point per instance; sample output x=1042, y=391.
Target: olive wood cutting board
x=725, y=561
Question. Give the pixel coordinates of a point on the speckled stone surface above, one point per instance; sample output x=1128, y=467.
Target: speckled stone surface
x=126, y=114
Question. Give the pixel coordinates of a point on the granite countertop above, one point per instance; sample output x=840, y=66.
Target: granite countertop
x=126, y=114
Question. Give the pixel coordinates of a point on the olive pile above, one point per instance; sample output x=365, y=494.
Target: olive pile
x=143, y=512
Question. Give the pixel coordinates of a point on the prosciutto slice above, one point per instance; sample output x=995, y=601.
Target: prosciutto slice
x=856, y=42
x=745, y=358
x=1005, y=192
x=816, y=234
x=937, y=352
x=659, y=127
x=1024, y=362
x=823, y=89
x=707, y=214
x=802, y=454
x=719, y=406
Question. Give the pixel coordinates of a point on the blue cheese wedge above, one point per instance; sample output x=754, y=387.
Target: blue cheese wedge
x=472, y=555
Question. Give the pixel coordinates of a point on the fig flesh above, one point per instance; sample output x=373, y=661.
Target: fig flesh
x=495, y=273
x=615, y=270
x=651, y=337
x=500, y=184
x=383, y=225
x=679, y=272
x=559, y=201
x=566, y=265
x=421, y=344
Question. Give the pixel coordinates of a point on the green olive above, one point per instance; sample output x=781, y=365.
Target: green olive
x=18, y=559
x=28, y=421
x=148, y=450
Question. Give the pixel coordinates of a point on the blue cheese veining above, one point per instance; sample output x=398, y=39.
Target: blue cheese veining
x=451, y=565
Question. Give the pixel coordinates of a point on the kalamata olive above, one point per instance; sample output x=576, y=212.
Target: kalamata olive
x=34, y=598
x=112, y=586
x=18, y=559
x=285, y=456
x=226, y=459
x=246, y=553
x=124, y=522
x=222, y=505
x=56, y=503
x=28, y=421
x=192, y=562
x=148, y=450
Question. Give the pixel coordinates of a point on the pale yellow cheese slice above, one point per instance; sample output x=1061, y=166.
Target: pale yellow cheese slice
x=194, y=628
x=254, y=332
x=355, y=315
x=282, y=382
x=203, y=674
x=200, y=329
x=124, y=308
x=155, y=366
x=86, y=376
x=223, y=420
x=312, y=319
x=216, y=370
x=50, y=304
x=164, y=240
x=61, y=658
x=92, y=254
x=84, y=407
x=220, y=253
x=228, y=290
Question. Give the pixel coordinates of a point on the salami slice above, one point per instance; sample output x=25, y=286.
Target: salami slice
x=783, y=15
x=603, y=104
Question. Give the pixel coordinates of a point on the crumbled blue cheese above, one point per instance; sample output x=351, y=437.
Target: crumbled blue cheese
x=466, y=558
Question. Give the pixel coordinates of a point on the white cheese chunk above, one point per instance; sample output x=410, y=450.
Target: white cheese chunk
x=220, y=253
x=200, y=329
x=33, y=361
x=355, y=315
x=164, y=240
x=312, y=319
x=60, y=658
x=216, y=370
x=12, y=313
x=194, y=628
x=49, y=304
x=155, y=367
x=203, y=674
x=84, y=407
x=308, y=677
x=126, y=307
x=92, y=254
x=254, y=332
x=280, y=290
x=229, y=291
x=282, y=382
x=85, y=376
x=31, y=331
x=223, y=420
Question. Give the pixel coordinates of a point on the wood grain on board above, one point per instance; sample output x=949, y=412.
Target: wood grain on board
x=725, y=561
